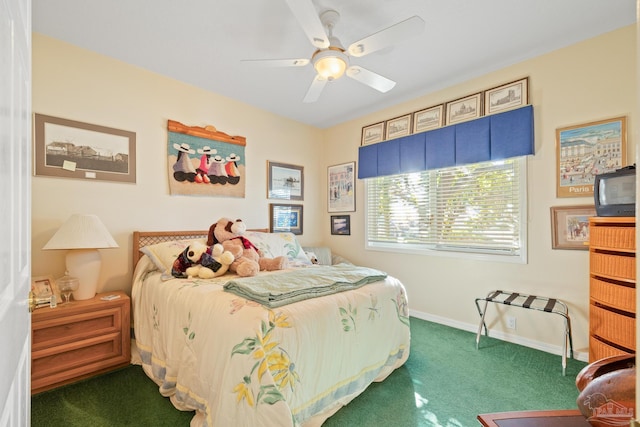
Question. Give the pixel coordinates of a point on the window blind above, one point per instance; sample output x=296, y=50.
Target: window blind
x=476, y=208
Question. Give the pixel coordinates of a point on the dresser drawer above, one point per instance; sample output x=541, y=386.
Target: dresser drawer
x=76, y=327
x=613, y=295
x=613, y=327
x=599, y=350
x=620, y=237
x=621, y=266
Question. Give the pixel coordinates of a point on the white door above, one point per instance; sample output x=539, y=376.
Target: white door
x=15, y=211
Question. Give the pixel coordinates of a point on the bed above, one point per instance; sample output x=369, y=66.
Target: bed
x=235, y=361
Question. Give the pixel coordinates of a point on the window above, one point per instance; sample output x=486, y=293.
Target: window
x=477, y=209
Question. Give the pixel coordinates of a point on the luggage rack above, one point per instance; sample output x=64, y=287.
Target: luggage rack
x=531, y=302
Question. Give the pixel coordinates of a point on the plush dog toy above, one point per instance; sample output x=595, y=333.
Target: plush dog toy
x=198, y=260
x=248, y=259
x=312, y=257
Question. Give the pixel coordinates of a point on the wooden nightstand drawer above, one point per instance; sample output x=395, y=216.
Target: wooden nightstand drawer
x=79, y=340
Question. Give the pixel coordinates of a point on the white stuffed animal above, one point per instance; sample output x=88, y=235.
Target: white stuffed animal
x=214, y=261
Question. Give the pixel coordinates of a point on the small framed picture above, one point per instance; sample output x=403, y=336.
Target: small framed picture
x=372, y=133
x=507, y=96
x=570, y=226
x=342, y=187
x=283, y=218
x=429, y=118
x=285, y=181
x=43, y=288
x=400, y=126
x=341, y=224
x=463, y=109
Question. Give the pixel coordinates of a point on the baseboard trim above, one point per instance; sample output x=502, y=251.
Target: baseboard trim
x=515, y=339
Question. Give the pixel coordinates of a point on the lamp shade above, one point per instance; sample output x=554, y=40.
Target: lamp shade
x=83, y=235
x=330, y=63
x=81, y=231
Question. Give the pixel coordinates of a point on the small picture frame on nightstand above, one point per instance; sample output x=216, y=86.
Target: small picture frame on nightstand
x=43, y=288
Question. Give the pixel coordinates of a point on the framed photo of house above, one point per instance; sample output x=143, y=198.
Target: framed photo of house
x=506, y=97
x=586, y=150
x=285, y=218
x=429, y=118
x=341, y=225
x=400, y=126
x=341, y=189
x=570, y=226
x=43, y=288
x=285, y=181
x=71, y=149
x=372, y=134
x=463, y=109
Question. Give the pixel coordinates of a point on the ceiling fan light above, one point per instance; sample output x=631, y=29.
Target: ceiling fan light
x=330, y=64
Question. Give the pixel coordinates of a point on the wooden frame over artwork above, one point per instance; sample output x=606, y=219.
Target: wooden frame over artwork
x=586, y=150
x=70, y=149
x=570, y=226
x=285, y=218
x=285, y=181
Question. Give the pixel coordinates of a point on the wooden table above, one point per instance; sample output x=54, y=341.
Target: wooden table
x=559, y=418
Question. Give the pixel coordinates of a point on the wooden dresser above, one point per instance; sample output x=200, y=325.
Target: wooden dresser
x=612, y=308
x=78, y=340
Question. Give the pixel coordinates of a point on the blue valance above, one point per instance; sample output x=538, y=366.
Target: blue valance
x=495, y=137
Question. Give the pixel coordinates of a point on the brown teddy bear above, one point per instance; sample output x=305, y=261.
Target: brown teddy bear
x=248, y=259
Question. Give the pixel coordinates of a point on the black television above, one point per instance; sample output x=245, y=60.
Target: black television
x=615, y=192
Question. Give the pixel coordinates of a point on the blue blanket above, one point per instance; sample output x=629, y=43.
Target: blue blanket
x=276, y=289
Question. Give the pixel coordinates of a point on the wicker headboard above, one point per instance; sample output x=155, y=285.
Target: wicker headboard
x=144, y=238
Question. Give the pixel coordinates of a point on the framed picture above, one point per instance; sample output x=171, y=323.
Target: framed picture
x=284, y=218
x=463, y=109
x=400, y=126
x=285, y=181
x=506, y=97
x=570, y=226
x=429, y=118
x=372, y=134
x=341, y=187
x=43, y=287
x=587, y=150
x=341, y=224
x=69, y=149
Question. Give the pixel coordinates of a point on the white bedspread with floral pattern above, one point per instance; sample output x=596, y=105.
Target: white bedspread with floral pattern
x=238, y=363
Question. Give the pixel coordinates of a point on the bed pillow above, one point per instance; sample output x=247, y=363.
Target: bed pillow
x=279, y=244
x=164, y=254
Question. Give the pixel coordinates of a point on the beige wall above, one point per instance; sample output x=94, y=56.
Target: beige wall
x=589, y=81
x=73, y=83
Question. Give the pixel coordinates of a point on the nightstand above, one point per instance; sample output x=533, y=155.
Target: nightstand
x=79, y=340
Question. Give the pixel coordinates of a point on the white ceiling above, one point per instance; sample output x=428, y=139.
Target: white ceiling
x=202, y=42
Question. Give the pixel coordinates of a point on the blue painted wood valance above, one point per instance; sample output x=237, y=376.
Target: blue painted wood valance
x=495, y=137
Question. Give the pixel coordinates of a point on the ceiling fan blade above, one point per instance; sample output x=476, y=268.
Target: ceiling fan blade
x=383, y=38
x=315, y=89
x=307, y=16
x=376, y=81
x=277, y=62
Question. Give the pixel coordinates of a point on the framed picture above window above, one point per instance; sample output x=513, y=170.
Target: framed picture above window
x=507, y=96
x=586, y=150
x=283, y=218
x=342, y=187
x=341, y=224
x=570, y=226
x=285, y=181
x=373, y=133
x=400, y=126
x=429, y=118
x=463, y=109
x=70, y=149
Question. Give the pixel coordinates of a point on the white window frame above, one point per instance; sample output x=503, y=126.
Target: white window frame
x=520, y=258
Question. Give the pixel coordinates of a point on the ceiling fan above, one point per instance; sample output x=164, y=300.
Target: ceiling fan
x=331, y=59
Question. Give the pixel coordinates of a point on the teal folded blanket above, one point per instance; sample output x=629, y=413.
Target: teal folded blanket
x=285, y=287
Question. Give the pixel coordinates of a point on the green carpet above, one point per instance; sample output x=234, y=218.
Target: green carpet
x=445, y=383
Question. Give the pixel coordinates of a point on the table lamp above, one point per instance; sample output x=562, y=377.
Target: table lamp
x=83, y=235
